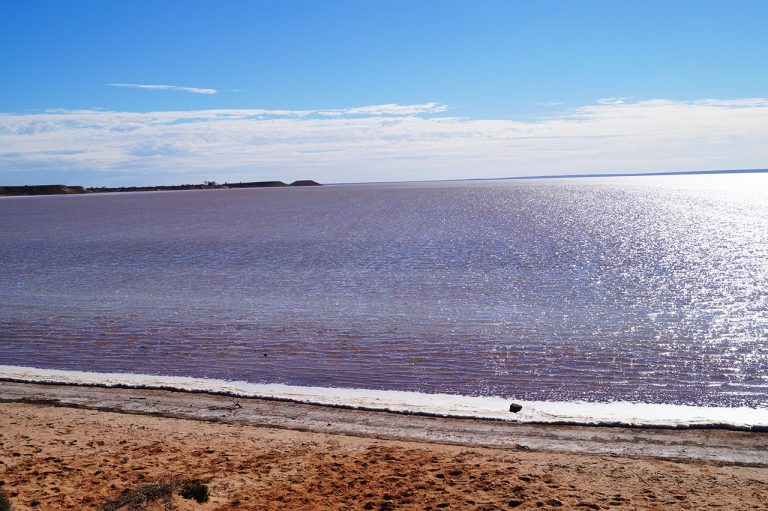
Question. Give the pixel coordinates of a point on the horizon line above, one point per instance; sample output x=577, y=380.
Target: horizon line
x=565, y=176
x=507, y=178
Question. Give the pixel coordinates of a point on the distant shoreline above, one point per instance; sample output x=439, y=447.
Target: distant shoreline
x=566, y=176
x=634, y=174
x=59, y=189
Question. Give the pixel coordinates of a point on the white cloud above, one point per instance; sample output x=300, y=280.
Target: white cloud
x=384, y=142
x=394, y=109
x=193, y=90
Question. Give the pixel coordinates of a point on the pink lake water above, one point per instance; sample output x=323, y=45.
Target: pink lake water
x=636, y=289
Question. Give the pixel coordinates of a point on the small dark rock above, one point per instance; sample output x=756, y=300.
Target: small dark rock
x=554, y=503
x=515, y=503
x=368, y=505
x=515, y=407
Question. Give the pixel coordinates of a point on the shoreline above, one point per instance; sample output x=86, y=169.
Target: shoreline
x=71, y=447
x=288, y=400
x=575, y=413
x=723, y=446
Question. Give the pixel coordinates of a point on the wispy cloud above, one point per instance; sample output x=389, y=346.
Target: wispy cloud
x=384, y=142
x=395, y=109
x=193, y=90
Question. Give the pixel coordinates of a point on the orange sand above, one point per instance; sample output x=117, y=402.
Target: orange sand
x=62, y=458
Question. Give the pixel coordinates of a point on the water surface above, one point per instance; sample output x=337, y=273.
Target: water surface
x=644, y=289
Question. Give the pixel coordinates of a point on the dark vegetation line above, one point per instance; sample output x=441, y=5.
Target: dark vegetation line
x=207, y=185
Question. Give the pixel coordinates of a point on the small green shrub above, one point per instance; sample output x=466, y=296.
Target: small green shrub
x=194, y=489
x=5, y=504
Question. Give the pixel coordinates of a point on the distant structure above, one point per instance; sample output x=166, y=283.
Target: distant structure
x=40, y=190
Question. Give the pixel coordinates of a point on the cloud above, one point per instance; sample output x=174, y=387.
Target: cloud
x=613, y=101
x=193, y=90
x=394, y=109
x=383, y=142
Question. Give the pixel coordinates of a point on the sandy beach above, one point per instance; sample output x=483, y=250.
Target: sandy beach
x=80, y=447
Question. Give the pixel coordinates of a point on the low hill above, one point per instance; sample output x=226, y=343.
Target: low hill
x=40, y=190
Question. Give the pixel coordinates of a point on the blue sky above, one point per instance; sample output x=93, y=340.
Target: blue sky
x=276, y=85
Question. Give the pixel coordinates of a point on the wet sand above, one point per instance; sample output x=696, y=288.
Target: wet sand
x=79, y=447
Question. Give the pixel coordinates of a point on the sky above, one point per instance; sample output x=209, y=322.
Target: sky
x=139, y=92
